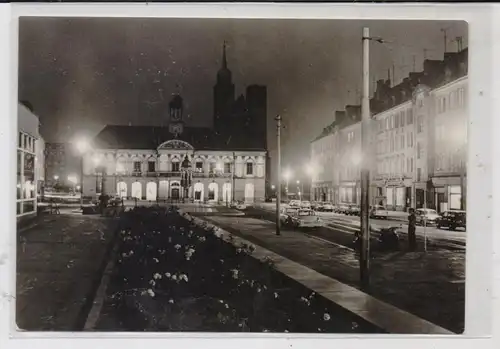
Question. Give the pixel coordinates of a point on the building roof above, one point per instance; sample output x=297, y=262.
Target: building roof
x=150, y=137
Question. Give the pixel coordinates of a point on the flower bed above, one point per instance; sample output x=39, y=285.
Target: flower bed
x=172, y=275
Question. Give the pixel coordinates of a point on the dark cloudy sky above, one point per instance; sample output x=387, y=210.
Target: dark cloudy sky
x=83, y=73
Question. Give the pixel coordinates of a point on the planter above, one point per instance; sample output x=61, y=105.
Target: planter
x=173, y=275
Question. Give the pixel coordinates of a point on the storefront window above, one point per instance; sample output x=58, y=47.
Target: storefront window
x=455, y=197
x=388, y=194
x=29, y=176
x=19, y=174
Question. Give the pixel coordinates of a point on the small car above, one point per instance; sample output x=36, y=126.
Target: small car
x=294, y=203
x=353, y=210
x=305, y=204
x=327, y=207
x=307, y=218
x=427, y=216
x=378, y=211
x=343, y=209
x=452, y=220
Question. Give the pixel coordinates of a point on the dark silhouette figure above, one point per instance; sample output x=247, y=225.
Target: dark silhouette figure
x=412, y=237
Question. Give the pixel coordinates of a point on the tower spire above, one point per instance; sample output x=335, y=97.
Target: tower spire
x=224, y=59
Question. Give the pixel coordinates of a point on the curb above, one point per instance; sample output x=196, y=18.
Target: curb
x=380, y=314
x=85, y=311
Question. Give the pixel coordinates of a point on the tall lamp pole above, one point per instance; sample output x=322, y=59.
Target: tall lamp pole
x=365, y=170
x=278, y=196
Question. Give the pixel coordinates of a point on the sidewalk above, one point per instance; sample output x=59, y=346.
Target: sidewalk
x=428, y=285
x=59, y=265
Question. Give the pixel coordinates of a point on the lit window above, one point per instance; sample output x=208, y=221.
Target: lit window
x=249, y=168
x=175, y=166
x=137, y=166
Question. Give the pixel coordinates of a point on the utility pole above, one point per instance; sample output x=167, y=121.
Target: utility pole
x=278, y=196
x=445, y=34
x=365, y=170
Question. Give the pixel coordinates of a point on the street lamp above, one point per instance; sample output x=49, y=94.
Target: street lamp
x=300, y=187
x=56, y=177
x=82, y=146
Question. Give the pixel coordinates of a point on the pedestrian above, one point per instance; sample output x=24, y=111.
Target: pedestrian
x=412, y=223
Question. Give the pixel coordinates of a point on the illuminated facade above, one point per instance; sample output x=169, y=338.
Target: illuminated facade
x=419, y=130
x=30, y=162
x=175, y=162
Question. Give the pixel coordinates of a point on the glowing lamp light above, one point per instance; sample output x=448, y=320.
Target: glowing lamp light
x=287, y=174
x=273, y=187
x=56, y=177
x=298, y=182
x=73, y=179
x=78, y=187
x=356, y=159
x=82, y=145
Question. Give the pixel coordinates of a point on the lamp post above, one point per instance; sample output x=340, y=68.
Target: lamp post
x=300, y=189
x=365, y=170
x=278, y=198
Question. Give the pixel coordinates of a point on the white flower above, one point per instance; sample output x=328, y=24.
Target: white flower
x=174, y=277
x=171, y=301
x=124, y=254
x=258, y=289
x=156, y=260
x=157, y=276
x=226, y=305
x=326, y=317
x=169, y=239
x=131, y=252
x=183, y=277
x=235, y=273
x=150, y=292
x=168, y=275
x=275, y=294
x=222, y=261
x=177, y=247
x=238, y=250
x=221, y=301
x=152, y=282
x=264, y=330
x=286, y=331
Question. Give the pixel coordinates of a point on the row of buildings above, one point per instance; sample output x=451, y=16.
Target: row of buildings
x=418, y=142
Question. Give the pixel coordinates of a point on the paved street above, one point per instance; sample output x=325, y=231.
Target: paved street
x=429, y=285
x=59, y=264
x=345, y=222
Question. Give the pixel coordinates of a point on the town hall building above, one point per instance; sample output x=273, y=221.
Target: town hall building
x=177, y=162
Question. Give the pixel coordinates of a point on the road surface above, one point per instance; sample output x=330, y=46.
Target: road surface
x=344, y=222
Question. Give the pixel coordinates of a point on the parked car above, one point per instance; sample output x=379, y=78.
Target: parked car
x=343, y=209
x=427, y=215
x=452, y=220
x=378, y=211
x=305, y=204
x=307, y=218
x=327, y=207
x=315, y=205
x=294, y=203
x=353, y=210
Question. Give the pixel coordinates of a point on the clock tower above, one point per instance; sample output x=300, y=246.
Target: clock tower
x=176, y=124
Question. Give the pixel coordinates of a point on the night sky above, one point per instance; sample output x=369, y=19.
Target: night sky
x=83, y=73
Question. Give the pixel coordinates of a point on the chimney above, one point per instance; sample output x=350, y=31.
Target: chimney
x=353, y=112
x=339, y=116
x=380, y=91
